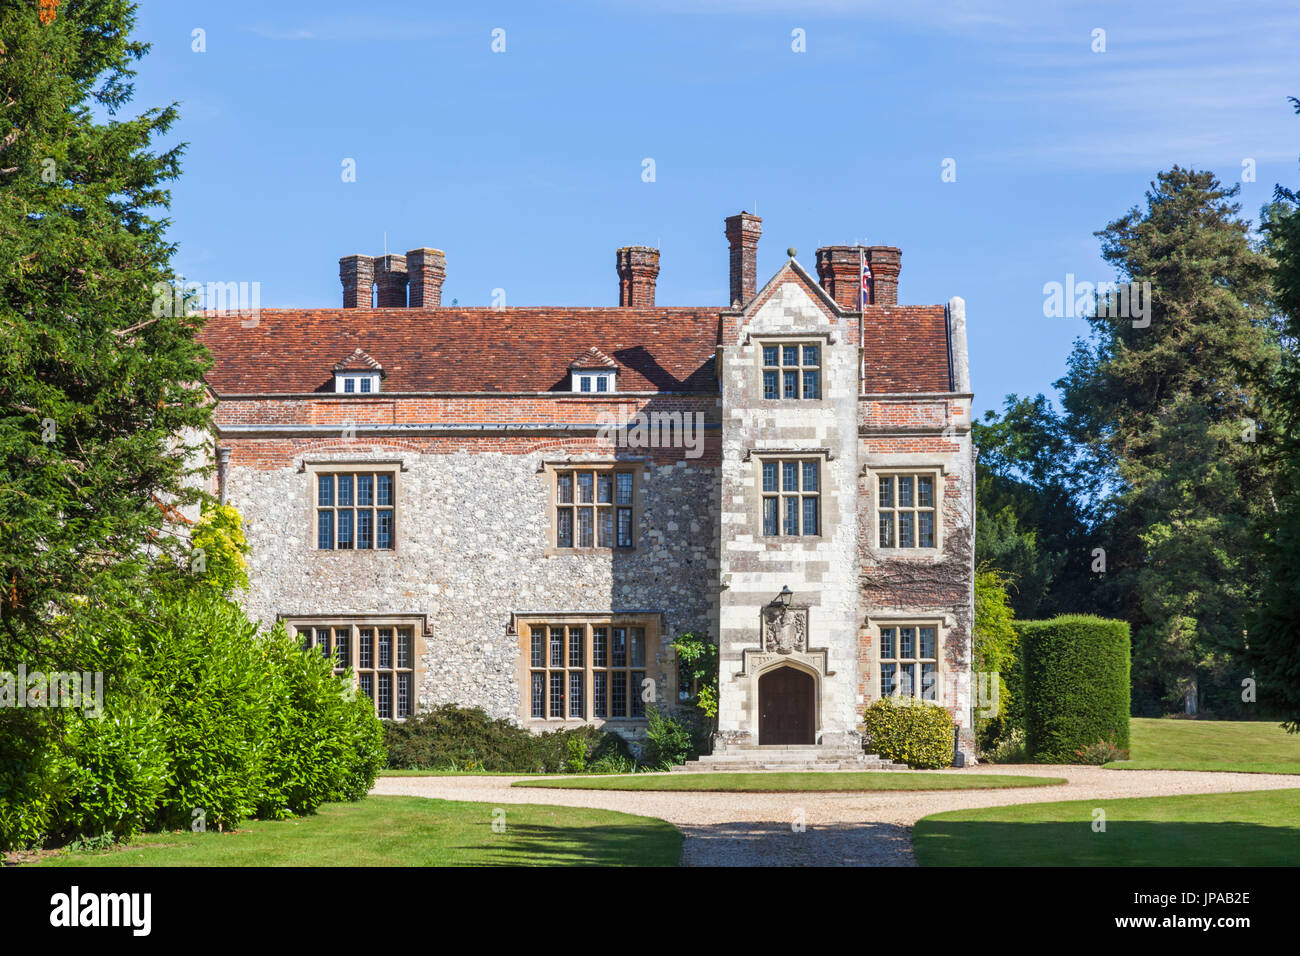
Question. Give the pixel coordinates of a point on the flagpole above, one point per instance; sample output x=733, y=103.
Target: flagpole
x=862, y=286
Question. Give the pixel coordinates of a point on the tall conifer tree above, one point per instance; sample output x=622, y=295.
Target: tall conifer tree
x=95, y=387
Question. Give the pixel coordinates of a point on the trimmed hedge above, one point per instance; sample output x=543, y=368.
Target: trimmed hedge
x=910, y=731
x=1076, y=685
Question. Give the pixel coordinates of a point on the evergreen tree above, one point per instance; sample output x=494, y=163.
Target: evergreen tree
x=1274, y=640
x=1167, y=418
x=96, y=384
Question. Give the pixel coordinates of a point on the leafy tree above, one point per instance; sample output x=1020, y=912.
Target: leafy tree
x=697, y=668
x=1030, y=521
x=94, y=386
x=1274, y=640
x=1164, y=416
x=994, y=655
x=217, y=549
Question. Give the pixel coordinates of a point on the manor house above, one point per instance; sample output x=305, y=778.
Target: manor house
x=521, y=508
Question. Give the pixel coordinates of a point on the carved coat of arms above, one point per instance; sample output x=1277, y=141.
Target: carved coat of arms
x=785, y=629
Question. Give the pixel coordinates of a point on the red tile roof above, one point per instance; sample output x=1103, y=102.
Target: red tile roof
x=462, y=350
x=905, y=349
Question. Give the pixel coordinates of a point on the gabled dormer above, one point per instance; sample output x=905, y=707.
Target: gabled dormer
x=593, y=372
x=358, y=374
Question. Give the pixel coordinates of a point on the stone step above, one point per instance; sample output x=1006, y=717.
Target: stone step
x=810, y=766
x=810, y=758
x=777, y=757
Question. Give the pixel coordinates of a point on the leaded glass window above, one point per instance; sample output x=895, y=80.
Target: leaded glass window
x=791, y=497
x=355, y=511
x=594, y=509
x=792, y=371
x=908, y=658
x=906, y=511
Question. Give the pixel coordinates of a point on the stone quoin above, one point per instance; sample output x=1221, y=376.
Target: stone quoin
x=434, y=496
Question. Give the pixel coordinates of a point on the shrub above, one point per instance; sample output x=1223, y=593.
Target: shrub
x=322, y=742
x=120, y=770
x=201, y=661
x=576, y=761
x=201, y=712
x=613, y=763
x=911, y=732
x=33, y=778
x=1076, y=685
x=357, y=751
x=1103, y=751
x=466, y=738
x=1010, y=749
x=672, y=739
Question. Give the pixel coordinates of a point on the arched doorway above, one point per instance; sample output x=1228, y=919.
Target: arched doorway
x=786, y=707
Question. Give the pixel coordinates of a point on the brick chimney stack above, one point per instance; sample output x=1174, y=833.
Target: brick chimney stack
x=357, y=273
x=886, y=263
x=638, y=270
x=390, y=276
x=743, y=230
x=837, y=270
x=426, y=269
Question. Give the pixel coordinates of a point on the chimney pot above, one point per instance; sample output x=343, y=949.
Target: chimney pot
x=638, y=271
x=743, y=230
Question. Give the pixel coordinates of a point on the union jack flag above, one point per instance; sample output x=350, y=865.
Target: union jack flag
x=864, y=289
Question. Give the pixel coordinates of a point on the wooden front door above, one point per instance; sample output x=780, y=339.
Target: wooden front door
x=786, y=707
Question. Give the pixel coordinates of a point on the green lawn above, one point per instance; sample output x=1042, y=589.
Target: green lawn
x=811, y=781
x=1244, y=746
x=453, y=773
x=1217, y=829
x=411, y=831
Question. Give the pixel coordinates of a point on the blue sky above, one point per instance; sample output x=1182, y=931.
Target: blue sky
x=526, y=166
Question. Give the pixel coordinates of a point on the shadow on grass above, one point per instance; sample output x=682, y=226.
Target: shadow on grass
x=781, y=844
x=939, y=842
x=531, y=844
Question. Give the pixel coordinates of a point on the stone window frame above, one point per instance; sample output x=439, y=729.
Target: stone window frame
x=313, y=469
x=934, y=472
x=305, y=629
x=525, y=624
x=823, y=339
x=756, y=456
x=552, y=470
x=874, y=627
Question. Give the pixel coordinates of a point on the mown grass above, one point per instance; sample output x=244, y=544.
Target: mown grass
x=411, y=831
x=810, y=781
x=1224, y=745
x=1261, y=828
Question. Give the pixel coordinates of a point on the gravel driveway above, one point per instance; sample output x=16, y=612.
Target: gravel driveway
x=841, y=829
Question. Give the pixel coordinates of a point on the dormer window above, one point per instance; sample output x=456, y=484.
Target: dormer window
x=593, y=381
x=592, y=372
x=358, y=374
x=356, y=383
